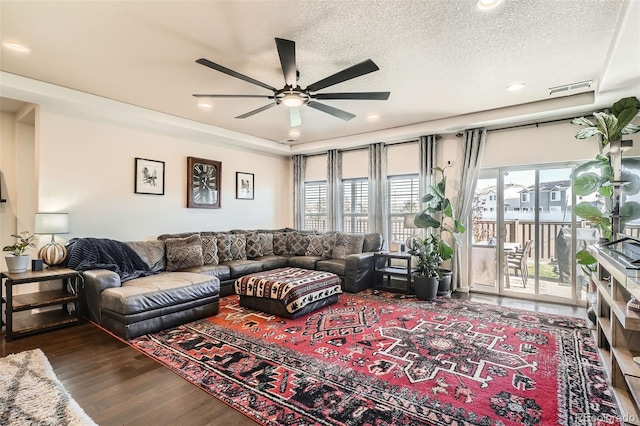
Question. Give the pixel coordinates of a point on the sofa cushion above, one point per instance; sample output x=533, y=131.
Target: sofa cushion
x=280, y=243
x=242, y=267
x=297, y=243
x=315, y=247
x=183, y=252
x=152, y=252
x=328, y=244
x=266, y=243
x=273, y=261
x=238, y=246
x=253, y=245
x=224, y=247
x=210, y=250
x=336, y=266
x=304, y=262
x=347, y=244
x=221, y=271
x=372, y=242
x=158, y=291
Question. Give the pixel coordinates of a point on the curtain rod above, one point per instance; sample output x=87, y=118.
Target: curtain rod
x=516, y=126
x=361, y=148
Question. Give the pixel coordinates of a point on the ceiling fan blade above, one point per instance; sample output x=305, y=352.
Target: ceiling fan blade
x=232, y=73
x=255, y=111
x=287, y=53
x=354, y=71
x=198, y=95
x=375, y=96
x=346, y=116
x=294, y=116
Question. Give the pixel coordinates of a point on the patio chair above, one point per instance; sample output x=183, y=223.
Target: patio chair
x=518, y=262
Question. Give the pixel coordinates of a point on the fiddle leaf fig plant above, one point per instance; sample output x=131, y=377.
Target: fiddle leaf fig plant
x=439, y=216
x=597, y=175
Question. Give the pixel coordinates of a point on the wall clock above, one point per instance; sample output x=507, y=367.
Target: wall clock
x=203, y=183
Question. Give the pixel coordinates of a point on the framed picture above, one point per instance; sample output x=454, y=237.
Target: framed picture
x=244, y=186
x=149, y=177
x=204, y=183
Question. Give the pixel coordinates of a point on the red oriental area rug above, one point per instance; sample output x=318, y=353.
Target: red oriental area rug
x=372, y=360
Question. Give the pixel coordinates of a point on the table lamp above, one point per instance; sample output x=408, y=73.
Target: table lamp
x=52, y=223
x=410, y=224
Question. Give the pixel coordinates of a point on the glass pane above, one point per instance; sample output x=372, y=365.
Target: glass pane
x=315, y=206
x=355, y=205
x=484, y=259
x=404, y=197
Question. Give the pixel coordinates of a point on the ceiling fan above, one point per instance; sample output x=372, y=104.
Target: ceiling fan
x=293, y=95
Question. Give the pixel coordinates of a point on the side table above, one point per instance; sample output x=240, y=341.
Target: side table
x=384, y=270
x=21, y=321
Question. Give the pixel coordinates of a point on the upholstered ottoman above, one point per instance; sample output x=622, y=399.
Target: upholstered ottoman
x=288, y=292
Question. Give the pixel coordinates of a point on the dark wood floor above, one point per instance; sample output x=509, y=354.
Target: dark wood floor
x=117, y=385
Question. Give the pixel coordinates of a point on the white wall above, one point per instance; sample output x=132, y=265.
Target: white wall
x=86, y=168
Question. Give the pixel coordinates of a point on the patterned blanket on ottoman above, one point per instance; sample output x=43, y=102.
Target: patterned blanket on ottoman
x=295, y=288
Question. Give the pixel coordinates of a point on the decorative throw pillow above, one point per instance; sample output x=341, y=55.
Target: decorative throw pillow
x=238, y=247
x=280, y=243
x=297, y=243
x=210, y=250
x=347, y=244
x=266, y=243
x=328, y=243
x=316, y=246
x=224, y=247
x=254, y=247
x=183, y=252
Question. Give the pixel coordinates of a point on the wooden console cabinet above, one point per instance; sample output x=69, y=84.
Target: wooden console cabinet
x=617, y=330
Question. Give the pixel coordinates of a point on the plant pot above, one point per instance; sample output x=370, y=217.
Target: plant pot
x=426, y=287
x=17, y=264
x=444, y=285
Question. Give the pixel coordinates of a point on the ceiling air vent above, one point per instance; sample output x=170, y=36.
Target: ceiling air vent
x=570, y=87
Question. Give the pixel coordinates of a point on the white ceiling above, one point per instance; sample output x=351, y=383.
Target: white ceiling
x=443, y=61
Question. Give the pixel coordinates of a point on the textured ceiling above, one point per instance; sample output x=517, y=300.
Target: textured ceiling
x=438, y=59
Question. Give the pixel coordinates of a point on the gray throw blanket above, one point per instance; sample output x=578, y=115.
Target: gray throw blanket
x=101, y=253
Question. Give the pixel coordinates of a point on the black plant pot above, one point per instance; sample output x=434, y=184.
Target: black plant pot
x=444, y=286
x=426, y=287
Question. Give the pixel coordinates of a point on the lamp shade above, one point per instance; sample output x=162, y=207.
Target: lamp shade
x=408, y=220
x=52, y=223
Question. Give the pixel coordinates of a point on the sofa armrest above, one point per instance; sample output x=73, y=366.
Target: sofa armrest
x=95, y=282
x=358, y=272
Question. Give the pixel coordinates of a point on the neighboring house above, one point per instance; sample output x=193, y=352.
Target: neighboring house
x=554, y=196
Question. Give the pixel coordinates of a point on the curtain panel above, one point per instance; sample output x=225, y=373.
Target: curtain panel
x=299, y=168
x=334, y=190
x=427, y=162
x=472, y=151
x=378, y=197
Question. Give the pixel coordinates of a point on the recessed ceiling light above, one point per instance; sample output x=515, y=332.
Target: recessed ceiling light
x=294, y=133
x=487, y=4
x=373, y=116
x=205, y=104
x=515, y=86
x=16, y=47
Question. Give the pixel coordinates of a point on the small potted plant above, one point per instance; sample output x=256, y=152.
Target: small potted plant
x=427, y=277
x=17, y=261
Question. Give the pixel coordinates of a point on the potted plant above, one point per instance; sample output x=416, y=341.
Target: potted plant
x=439, y=218
x=427, y=277
x=17, y=261
x=598, y=175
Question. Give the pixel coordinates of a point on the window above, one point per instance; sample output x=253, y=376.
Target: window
x=404, y=197
x=356, y=205
x=524, y=197
x=555, y=195
x=493, y=197
x=315, y=205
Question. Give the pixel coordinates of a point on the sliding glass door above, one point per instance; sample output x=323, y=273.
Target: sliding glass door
x=522, y=227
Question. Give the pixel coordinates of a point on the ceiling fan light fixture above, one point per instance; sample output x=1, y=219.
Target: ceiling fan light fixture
x=485, y=5
x=292, y=100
